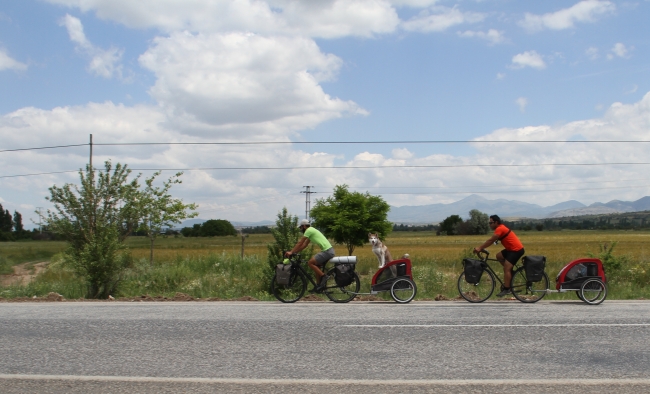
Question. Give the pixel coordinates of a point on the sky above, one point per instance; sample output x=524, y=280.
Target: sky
x=418, y=101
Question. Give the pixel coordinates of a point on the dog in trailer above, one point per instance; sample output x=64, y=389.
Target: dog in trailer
x=379, y=249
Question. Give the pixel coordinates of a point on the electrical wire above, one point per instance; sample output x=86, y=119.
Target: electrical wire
x=326, y=143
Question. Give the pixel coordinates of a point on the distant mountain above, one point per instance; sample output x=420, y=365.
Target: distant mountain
x=192, y=222
x=435, y=213
x=598, y=208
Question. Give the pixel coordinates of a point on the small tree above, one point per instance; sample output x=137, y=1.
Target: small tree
x=347, y=218
x=478, y=222
x=286, y=234
x=18, y=223
x=217, y=228
x=448, y=226
x=159, y=209
x=95, y=218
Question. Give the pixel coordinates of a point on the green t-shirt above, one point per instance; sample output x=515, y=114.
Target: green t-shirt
x=316, y=237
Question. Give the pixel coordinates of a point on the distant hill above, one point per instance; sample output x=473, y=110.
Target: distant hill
x=435, y=213
x=192, y=222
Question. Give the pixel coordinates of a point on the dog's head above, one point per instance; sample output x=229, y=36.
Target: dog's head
x=373, y=238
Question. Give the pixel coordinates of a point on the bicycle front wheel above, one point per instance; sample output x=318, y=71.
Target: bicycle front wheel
x=291, y=292
x=403, y=290
x=478, y=292
x=341, y=294
x=526, y=291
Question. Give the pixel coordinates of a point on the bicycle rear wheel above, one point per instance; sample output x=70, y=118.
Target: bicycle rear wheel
x=526, y=291
x=341, y=294
x=291, y=292
x=593, y=291
x=403, y=290
x=478, y=292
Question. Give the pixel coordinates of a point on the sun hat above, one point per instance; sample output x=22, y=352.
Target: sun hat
x=304, y=222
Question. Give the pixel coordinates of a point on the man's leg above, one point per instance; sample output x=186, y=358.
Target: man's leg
x=507, y=269
x=318, y=274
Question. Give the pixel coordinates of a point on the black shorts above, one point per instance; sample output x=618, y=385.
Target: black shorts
x=512, y=256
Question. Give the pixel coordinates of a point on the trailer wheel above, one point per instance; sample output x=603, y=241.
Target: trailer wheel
x=403, y=290
x=593, y=291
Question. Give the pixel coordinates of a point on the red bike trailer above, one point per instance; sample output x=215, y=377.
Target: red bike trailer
x=584, y=276
x=395, y=277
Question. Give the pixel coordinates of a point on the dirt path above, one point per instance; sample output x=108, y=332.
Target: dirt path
x=23, y=274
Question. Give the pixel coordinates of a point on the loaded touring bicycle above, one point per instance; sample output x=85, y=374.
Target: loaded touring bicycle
x=290, y=280
x=530, y=283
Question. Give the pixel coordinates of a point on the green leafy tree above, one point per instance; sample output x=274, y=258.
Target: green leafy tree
x=478, y=222
x=347, y=217
x=6, y=223
x=286, y=234
x=95, y=218
x=448, y=226
x=159, y=209
x=18, y=223
x=217, y=228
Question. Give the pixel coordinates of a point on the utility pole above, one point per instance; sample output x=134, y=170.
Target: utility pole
x=308, y=194
x=91, y=152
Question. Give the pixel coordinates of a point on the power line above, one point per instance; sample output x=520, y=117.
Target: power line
x=353, y=167
x=42, y=148
x=331, y=143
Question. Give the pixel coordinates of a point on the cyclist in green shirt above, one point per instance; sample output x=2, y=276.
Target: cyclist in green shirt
x=318, y=260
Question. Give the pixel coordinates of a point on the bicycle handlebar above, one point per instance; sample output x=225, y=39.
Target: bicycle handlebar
x=487, y=254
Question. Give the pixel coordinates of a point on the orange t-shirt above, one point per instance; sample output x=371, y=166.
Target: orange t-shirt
x=510, y=242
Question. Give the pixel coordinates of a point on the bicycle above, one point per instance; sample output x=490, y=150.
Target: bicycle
x=522, y=289
x=295, y=289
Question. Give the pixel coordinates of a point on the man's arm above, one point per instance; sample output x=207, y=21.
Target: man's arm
x=487, y=243
x=302, y=244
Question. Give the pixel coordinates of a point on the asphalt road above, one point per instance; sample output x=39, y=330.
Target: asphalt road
x=317, y=347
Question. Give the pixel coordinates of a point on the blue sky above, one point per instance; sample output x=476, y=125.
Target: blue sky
x=372, y=71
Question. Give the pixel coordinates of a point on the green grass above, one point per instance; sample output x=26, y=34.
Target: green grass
x=213, y=267
x=13, y=253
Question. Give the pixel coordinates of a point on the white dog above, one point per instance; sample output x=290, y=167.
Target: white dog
x=379, y=249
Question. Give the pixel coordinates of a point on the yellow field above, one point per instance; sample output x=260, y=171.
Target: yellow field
x=436, y=259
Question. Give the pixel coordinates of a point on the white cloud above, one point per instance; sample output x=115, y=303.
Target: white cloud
x=8, y=63
x=619, y=50
x=254, y=194
x=239, y=82
x=528, y=59
x=438, y=19
x=522, y=103
x=325, y=18
x=402, y=154
x=104, y=62
x=592, y=53
x=584, y=11
x=493, y=36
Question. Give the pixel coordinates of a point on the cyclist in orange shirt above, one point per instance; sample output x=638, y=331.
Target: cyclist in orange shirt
x=509, y=256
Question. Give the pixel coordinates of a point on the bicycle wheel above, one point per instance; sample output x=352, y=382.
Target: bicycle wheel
x=593, y=291
x=403, y=290
x=338, y=293
x=526, y=291
x=291, y=292
x=476, y=292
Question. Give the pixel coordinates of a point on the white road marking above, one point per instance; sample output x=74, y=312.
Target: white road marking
x=493, y=325
x=364, y=382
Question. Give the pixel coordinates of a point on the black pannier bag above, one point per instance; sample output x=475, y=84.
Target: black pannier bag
x=344, y=274
x=283, y=274
x=534, y=266
x=473, y=270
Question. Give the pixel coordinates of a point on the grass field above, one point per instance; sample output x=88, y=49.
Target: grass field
x=213, y=267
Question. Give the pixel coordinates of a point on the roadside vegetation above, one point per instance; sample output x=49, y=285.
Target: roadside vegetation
x=212, y=267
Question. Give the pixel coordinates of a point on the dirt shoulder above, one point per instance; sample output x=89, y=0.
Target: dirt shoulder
x=23, y=274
